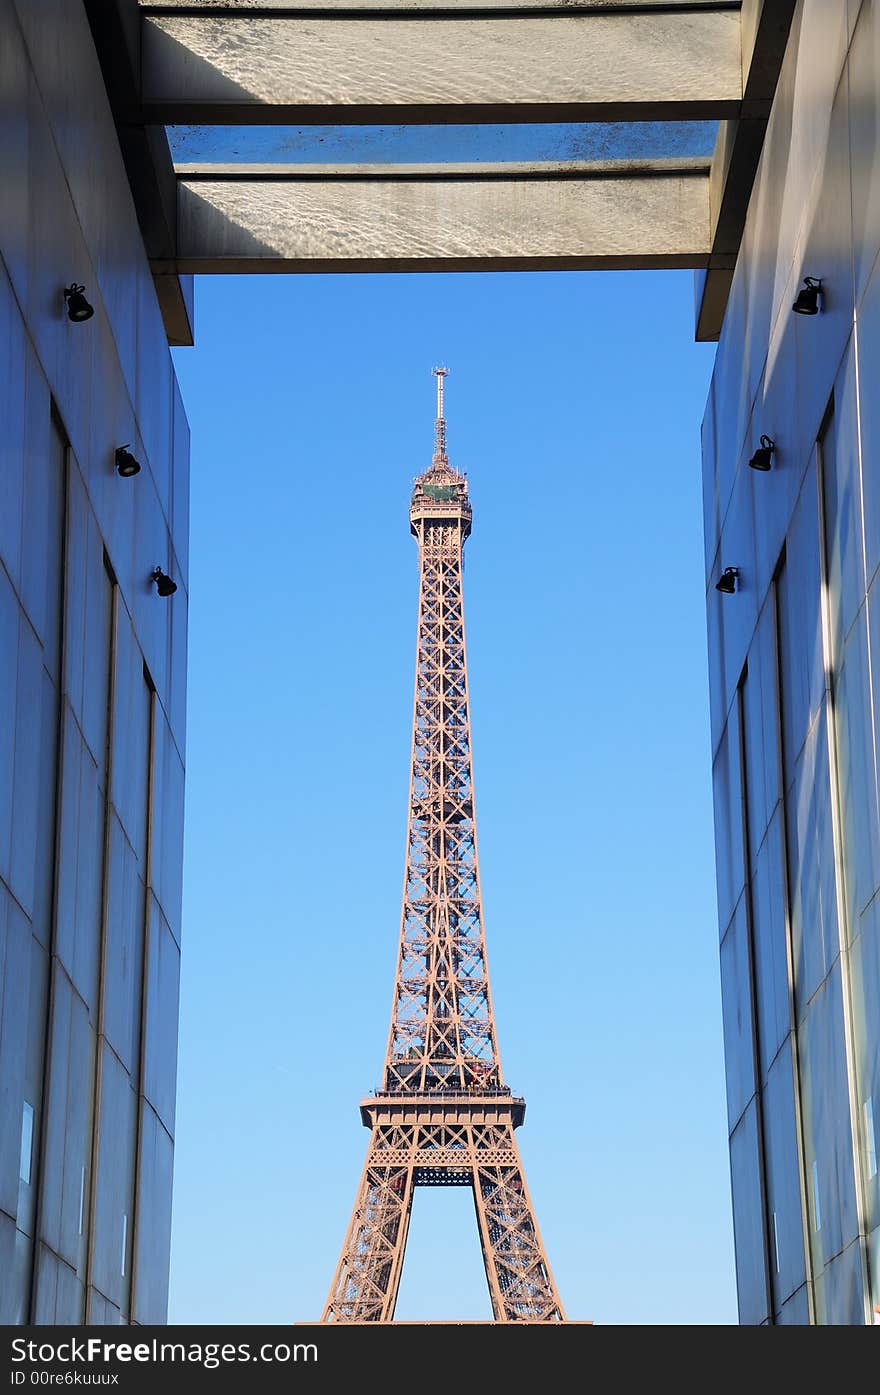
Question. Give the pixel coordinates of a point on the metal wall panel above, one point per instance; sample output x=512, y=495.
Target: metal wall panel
x=77, y=545
x=748, y=1224
x=788, y=1263
x=805, y=622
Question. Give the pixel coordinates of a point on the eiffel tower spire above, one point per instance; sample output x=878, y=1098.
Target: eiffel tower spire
x=440, y=456
x=443, y=1114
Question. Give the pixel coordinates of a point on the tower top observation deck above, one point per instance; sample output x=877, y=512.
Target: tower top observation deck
x=440, y=493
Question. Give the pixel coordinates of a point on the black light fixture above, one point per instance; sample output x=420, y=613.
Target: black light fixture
x=726, y=582
x=761, y=459
x=807, y=302
x=164, y=585
x=78, y=308
x=126, y=465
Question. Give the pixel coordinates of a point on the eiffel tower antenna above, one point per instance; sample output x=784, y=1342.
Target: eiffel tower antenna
x=443, y=1115
x=440, y=456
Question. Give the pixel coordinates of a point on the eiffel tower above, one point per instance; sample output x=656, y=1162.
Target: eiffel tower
x=443, y=1116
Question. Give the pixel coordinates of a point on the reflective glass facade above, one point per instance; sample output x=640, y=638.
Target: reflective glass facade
x=92, y=696
x=794, y=660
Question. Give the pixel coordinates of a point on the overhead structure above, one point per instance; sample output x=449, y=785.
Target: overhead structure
x=511, y=217
x=417, y=62
x=502, y=64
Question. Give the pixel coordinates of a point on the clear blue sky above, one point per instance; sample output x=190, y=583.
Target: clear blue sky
x=574, y=404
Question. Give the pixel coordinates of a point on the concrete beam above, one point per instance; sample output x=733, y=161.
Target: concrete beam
x=766, y=25
x=225, y=67
x=116, y=30
x=402, y=7
x=441, y=218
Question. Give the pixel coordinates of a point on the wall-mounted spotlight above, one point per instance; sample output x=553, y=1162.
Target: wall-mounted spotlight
x=78, y=308
x=761, y=459
x=726, y=582
x=807, y=302
x=126, y=465
x=164, y=585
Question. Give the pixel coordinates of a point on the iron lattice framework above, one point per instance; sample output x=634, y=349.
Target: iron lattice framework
x=443, y=1116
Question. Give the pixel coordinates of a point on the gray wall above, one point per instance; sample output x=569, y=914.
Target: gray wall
x=92, y=698
x=795, y=688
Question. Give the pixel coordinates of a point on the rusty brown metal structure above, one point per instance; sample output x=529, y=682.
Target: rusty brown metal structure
x=443, y=1115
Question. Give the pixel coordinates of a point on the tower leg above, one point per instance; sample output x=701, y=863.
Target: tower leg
x=521, y=1285
x=367, y=1278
